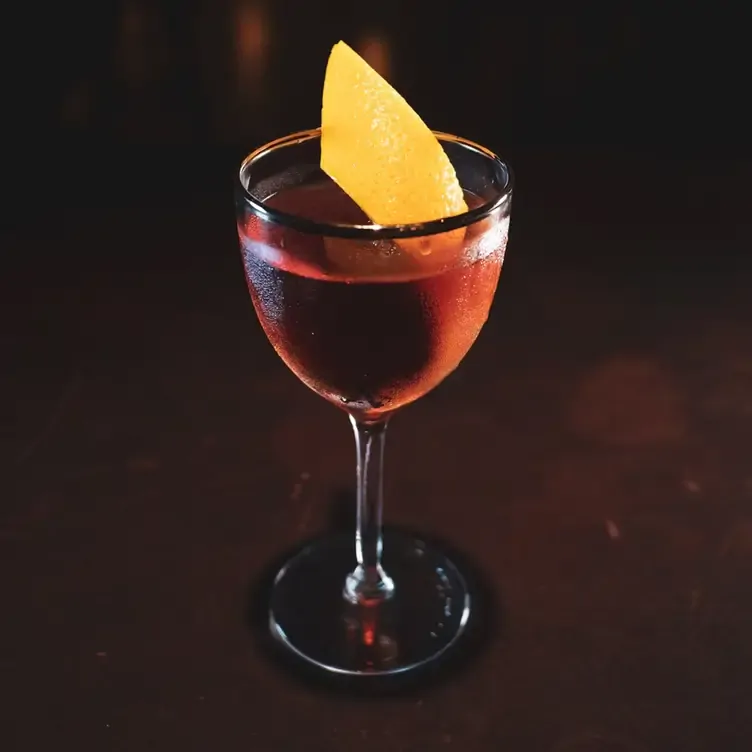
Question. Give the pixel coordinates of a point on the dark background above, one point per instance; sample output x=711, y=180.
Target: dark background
x=133, y=85
x=590, y=457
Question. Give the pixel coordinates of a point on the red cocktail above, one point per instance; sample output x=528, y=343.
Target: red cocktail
x=368, y=325
x=368, y=320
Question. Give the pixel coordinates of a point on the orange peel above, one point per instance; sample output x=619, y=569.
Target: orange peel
x=379, y=151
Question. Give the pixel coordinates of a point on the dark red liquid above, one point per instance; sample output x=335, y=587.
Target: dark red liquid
x=369, y=326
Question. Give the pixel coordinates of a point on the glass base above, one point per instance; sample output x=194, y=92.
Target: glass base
x=427, y=613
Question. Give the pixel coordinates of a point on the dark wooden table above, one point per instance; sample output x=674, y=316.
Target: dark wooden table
x=590, y=459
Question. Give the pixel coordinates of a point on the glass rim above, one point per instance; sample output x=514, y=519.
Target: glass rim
x=373, y=231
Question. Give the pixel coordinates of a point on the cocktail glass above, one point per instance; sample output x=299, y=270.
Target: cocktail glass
x=371, y=318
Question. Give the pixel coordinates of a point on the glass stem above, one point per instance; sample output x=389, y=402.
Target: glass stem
x=368, y=584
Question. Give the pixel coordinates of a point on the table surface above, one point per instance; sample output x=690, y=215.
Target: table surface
x=589, y=459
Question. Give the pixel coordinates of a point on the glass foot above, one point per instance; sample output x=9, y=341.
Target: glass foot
x=426, y=614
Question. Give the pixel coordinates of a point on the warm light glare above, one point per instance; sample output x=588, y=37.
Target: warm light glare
x=251, y=45
x=375, y=50
x=77, y=105
x=133, y=52
x=368, y=635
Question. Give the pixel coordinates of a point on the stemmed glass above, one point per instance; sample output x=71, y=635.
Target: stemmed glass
x=371, y=318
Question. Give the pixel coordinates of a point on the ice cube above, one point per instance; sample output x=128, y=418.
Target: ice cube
x=361, y=258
